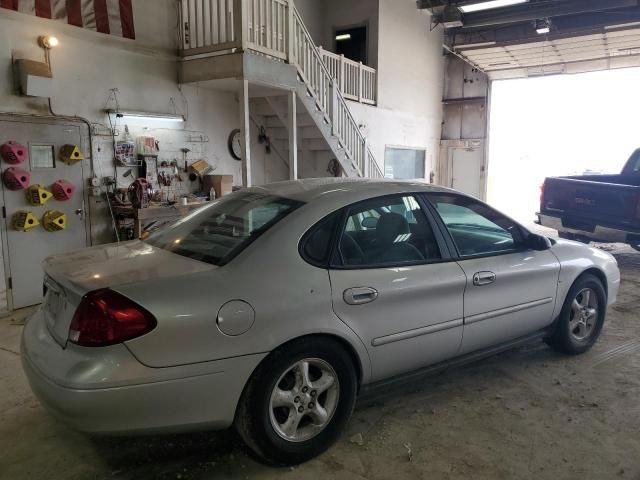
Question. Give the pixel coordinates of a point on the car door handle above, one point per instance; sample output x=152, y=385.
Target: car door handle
x=483, y=278
x=359, y=295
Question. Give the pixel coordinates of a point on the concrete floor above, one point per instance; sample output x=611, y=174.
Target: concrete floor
x=527, y=413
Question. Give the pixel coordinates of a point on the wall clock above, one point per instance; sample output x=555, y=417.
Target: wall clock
x=235, y=144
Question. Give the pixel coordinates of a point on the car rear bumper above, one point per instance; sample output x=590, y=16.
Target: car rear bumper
x=599, y=234
x=108, y=391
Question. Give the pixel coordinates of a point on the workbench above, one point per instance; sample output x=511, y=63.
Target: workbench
x=144, y=217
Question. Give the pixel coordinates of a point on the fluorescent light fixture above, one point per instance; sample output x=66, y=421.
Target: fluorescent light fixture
x=477, y=7
x=165, y=117
x=622, y=25
x=475, y=45
x=344, y=36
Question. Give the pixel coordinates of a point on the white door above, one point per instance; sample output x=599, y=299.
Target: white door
x=27, y=250
x=466, y=171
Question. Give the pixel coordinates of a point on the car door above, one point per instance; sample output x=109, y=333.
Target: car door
x=394, y=284
x=511, y=288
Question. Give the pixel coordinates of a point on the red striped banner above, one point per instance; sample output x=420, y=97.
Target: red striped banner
x=113, y=17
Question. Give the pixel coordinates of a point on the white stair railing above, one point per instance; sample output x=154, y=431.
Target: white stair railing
x=275, y=28
x=357, y=81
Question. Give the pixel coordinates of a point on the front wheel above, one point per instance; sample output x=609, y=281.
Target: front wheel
x=582, y=316
x=298, y=401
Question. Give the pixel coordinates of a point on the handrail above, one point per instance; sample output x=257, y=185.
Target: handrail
x=275, y=28
x=357, y=81
x=354, y=147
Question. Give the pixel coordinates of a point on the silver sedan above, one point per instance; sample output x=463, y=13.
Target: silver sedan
x=269, y=309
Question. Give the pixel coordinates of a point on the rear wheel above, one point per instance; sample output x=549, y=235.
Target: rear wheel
x=298, y=401
x=582, y=316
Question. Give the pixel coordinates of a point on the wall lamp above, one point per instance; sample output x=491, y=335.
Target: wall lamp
x=48, y=41
x=164, y=117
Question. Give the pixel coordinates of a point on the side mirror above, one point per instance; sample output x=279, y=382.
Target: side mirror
x=538, y=242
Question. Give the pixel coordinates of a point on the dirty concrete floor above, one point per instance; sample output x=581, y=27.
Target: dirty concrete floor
x=527, y=413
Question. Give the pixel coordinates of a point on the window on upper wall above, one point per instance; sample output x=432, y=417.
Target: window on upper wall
x=352, y=43
x=404, y=163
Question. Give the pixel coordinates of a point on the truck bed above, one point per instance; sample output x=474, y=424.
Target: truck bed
x=582, y=202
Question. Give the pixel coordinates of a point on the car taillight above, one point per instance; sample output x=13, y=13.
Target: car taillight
x=105, y=317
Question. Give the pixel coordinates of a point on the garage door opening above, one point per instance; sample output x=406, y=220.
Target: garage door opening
x=560, y=125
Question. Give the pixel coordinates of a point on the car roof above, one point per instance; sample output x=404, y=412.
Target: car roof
x=309, y=189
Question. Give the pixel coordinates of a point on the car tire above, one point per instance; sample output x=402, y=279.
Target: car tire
x=277, y=393
x=582, y=316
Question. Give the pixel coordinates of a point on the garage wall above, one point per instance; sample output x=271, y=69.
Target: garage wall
x=410, y=84
x=352, y=13
x=464, y=125
x=87, y=66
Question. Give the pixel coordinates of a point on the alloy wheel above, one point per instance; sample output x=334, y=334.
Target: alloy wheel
x=584, y=314
x=304, y=400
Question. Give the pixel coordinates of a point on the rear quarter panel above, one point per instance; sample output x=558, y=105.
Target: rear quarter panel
x=290, y=297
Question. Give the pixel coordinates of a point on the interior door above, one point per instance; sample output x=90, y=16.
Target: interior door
x=466, y=171
x=27, y=250
x=511, y=289
x=391, y=286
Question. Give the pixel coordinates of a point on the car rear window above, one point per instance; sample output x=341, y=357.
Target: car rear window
x=218, y=232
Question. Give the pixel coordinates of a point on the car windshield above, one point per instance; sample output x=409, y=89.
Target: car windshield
x=218, y=232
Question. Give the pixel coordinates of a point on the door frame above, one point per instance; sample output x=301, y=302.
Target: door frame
x=86, y=167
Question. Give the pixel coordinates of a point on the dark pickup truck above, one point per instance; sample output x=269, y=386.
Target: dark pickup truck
x=600, y=208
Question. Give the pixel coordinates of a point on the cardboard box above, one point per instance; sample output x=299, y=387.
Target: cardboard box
x=222, y=184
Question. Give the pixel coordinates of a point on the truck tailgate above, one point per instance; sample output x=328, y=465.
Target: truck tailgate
x=589, y=203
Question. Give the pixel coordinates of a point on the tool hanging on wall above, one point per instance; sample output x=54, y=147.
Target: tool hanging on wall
x=23, y=221
x=54, y=221
x=70, y=154
x=139, y=193
x=63, y=190
x=37, y=195
x=16, y=178
x=13, y=153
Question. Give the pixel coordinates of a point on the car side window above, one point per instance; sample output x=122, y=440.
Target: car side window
x=387, y=231
x=316, y=244
x=475, y=228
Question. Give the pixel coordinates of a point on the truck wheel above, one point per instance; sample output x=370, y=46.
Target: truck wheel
x=581, y=318
x=298, y=401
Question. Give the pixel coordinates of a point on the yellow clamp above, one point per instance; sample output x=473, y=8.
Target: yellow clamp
x=53, y=221
x=24, y=221
x=37, y=195
x=70, y=154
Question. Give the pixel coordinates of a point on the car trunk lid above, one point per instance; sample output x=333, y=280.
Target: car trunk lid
x=68, y=277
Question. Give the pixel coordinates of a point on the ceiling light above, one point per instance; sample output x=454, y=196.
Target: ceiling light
x=476, y=7
x=343, y=36
x=543, y=26
x=48, y=41
x=165, y=117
